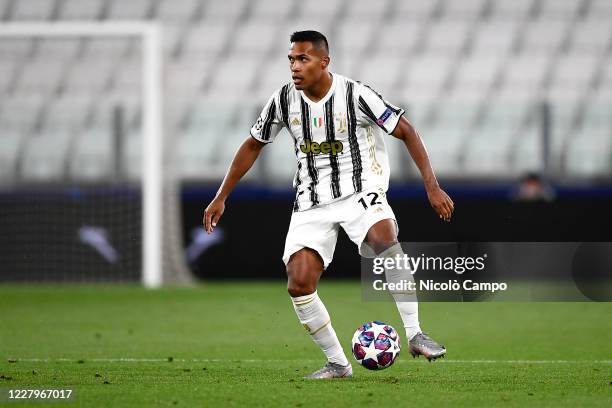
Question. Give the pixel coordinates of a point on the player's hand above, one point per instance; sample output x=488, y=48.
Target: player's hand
x=212, y=214
x=441, y=203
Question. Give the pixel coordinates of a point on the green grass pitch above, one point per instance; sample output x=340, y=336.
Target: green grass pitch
x=241, y=345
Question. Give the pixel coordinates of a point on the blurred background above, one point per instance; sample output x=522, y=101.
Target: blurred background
x=513, y=99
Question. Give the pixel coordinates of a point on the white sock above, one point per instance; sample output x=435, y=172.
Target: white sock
x=314, y=317
x=406, y=302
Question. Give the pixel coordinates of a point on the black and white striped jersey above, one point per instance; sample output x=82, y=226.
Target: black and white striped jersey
x=339, y=140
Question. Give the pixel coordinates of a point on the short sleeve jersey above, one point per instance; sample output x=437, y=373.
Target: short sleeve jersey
x=338, y=141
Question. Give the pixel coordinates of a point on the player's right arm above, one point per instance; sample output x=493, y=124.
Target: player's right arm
x=243, y=160
x=264, y=131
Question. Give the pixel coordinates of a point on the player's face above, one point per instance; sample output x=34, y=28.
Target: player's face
x=307, y=64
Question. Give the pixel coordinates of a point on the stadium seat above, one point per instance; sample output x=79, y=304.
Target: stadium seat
x=44, y=156
x=102, y=112
x=128, y=77
x=8, y=70
x=366, y=10
x=486, y=152
x=591, y=36
x=201, y=140
x=544, y=36
x=597, y=116
x=209, y=117
x=444, y=144
x=81, y=9
x=186, y=76
x=271, y=10
x=106, y=48
x=447, y=36
x=398, y=37
x=172, y=35
x=495, y=37
x=571, y=77
x=523, y=76
x=10, y=143
x=315, y=9
x=412, y=10
x=416, y=111
x=67, y=113
x=516, y=9
x=352, y=37
x=63, y=49
x=41, y=76
x=19, y=112
x=604, y=90
x=504, y=114
x=457, y=114
x=33, y=9
x=475, y=75
x=457, y=65
x=226, y=11
x=425, y=77
x=177, y=11
x=588, y=154
x=253, y=39
x=197, y=157
x=350, y=42
x=231, y=79
x=560, y=8
x=16, y=49
x=92, y=155
x=205, y=40
x=527, y=156
x=464, y=9
x=80, y=80
x=130, y=10
x=4, y=7
x=275, y=73
x=600, y=9
x=490, y=142
x=381, y=72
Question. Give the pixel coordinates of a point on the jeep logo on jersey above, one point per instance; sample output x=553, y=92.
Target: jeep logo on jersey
x=322, y=148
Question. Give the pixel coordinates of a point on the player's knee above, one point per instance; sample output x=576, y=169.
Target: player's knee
x=300, y=286
x=301, y=281
x=382, y=235
x=296, y=290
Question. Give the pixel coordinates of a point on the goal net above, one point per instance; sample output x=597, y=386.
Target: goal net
x=85, y=190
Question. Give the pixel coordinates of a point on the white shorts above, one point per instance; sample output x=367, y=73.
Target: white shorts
x=317, y=228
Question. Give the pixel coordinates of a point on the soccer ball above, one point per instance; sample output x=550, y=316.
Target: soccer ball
x=376, y=345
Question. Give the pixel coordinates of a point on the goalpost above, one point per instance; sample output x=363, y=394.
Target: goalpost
x=152, y=120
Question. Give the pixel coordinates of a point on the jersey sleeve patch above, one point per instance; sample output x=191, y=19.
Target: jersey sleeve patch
x=268, y=124
x=377, y=110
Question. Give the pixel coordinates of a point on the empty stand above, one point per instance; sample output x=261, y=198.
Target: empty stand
x=472, y=75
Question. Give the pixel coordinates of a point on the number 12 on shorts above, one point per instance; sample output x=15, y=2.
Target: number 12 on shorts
x=373, y=201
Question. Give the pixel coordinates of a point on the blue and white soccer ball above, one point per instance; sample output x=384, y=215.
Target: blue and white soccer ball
x=376, y=345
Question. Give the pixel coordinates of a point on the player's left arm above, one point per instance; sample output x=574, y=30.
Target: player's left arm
x=440, y=201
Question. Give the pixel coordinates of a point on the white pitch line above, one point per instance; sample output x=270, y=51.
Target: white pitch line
x=217, y=360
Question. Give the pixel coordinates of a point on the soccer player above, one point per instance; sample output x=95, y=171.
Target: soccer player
x=338, y=127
